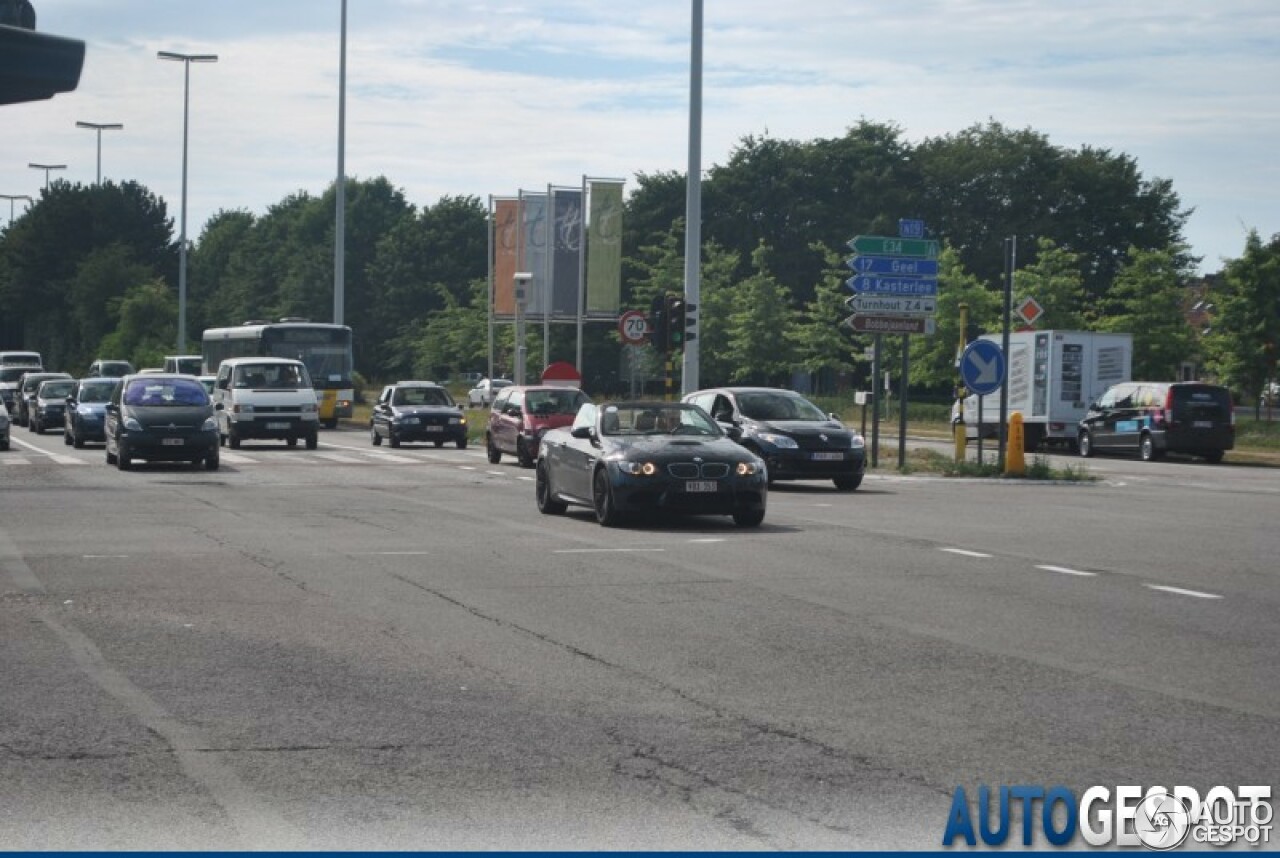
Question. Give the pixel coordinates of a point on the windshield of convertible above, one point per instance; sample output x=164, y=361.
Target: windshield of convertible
x=778, y=406
x=165, y=392
x=657, y=419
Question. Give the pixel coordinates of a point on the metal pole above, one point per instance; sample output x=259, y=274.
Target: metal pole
x=582, y=275
x=549, y=216
x=340, y=190
x=186, y=60
x=182, y=239
x=902, y=402
x=875, y=401
x=1010, y=259
x=493, y=227
x=100, y=127
x=693, y=212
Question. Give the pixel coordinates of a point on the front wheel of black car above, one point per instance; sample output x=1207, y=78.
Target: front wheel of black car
x=462, y=443
x=602, y=494
x=522, y=455
x=211, y=463
x=847, y=482
x=313, y=441
x=543, y=493
x=66, y=437
x=1085, y=444
x=748, y=518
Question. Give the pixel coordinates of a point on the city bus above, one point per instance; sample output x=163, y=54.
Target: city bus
x=324, y=348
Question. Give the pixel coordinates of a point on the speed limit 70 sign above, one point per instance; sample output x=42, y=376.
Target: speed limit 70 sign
x=633, y=326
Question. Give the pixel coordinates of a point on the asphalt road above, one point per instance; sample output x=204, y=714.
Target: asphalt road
x=359, y=648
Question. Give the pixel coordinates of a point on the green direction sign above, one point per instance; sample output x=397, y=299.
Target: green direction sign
x=883, y=245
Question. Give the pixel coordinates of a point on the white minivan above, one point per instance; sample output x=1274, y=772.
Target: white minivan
x=264, y=397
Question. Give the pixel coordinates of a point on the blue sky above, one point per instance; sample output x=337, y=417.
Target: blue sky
x=447, y=97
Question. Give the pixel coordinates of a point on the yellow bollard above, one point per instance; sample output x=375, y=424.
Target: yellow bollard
x=1015, y=464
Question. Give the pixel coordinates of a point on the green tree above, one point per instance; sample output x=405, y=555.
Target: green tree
x=823, y=344
x=933, y=358
x=1147, y=301
x=148, y=326
x=1054, y=280
x=1246, y=326
x=760, y=333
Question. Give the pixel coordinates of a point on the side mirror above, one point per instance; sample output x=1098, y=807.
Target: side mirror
x=734, y=431
x=584, y=433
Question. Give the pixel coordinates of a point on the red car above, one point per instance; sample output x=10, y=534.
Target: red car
x=522, y=415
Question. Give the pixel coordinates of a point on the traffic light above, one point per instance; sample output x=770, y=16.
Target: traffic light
x=658, y=322
x=675, y=321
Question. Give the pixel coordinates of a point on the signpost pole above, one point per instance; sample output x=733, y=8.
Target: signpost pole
x=1010, y=259
x=980, y=398
x=902, y=403
x=875, y=402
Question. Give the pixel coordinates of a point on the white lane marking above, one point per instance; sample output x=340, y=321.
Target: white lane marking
x=964, y=553
x=1065, y=571
x=402, y=553
x=710, y=539
x=466, y=468
x=338, y=457
x=391, y=457
x=497, y=473
x=526, y=479
x=237, y=458
x=603, y=550
x=1181, y=592
x=59, y=459
x=105, y=556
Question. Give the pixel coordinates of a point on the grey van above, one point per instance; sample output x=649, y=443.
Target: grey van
x=1152, y=418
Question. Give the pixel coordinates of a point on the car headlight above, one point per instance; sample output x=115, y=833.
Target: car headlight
x=210, y=425
x=308, y=408
x=242, y=408
x=638, y=469
x=84, y=411
x=857, y=442
x=783, y=442
x=747, y=469
x=132, y=424
x=457, y=421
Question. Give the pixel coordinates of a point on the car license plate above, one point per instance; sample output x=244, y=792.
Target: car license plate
x=828, y=457
x=172, y=442
x=435, y=428
x=1202, y=424
x=277, y=425
x=700, y=486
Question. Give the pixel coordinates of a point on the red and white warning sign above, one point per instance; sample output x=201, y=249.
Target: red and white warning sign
x=1029, y=310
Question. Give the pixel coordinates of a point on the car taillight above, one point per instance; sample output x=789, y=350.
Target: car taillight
x=1168, y=408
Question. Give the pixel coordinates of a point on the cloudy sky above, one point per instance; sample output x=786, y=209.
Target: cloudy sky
x=485, y=97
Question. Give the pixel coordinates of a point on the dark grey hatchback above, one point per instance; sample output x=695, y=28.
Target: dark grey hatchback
x=161, y=418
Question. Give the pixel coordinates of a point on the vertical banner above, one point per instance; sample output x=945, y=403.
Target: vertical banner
x=604, y=249
x=506, y=253
x=534, y=257
x=564, y=259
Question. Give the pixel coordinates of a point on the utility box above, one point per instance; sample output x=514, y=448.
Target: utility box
x=1052, y=377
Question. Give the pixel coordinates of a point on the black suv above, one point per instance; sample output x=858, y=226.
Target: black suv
x=794, y=437
x=1152, y=418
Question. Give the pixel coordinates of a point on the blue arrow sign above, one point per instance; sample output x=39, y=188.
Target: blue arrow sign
x=982, y=367
x=897, y=266
x=893, y=285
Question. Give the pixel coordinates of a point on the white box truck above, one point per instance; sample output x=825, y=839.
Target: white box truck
x=1052, y=378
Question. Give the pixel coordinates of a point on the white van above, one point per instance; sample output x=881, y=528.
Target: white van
x=264, y=397
x=185, y=364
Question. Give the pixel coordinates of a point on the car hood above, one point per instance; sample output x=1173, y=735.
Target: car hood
x=804, y=428
x=165, y=415
x=668, y=448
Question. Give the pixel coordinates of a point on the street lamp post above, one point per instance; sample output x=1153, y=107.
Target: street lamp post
x=11, y=198
x=186, y=60
x=47, y=168
x=100, y=127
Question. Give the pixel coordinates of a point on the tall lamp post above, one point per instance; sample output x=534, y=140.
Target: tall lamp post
x=11, y=198
x=100, y=127
x=47, y=168
x=186, y=60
